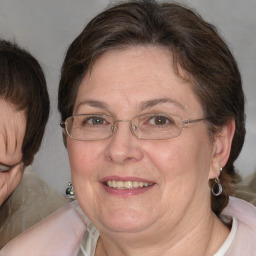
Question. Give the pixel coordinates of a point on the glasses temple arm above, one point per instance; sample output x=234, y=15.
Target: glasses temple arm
x=194, y=120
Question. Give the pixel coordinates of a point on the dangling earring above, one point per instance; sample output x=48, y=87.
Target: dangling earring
x=70, y=191
x=216, y=187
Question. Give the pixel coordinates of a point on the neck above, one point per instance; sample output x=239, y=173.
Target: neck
x=201, y=236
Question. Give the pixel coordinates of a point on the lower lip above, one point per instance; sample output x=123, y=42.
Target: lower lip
x=127, y=192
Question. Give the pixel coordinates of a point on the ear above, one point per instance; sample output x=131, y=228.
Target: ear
x=221, y=148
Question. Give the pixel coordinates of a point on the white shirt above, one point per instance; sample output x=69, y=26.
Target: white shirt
x=227, y=244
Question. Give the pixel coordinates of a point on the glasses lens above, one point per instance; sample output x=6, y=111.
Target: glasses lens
x=157, y=126
x=89, y=127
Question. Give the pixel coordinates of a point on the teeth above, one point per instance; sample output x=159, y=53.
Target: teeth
x=126, y=184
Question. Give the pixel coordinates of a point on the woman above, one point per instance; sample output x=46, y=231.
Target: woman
x=24, y=105
x=153, y=110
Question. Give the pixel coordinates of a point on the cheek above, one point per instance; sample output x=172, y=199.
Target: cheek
x=83, y=157
x=182, y=162
x=169, y=158
x=85, y=165
x=183, y=168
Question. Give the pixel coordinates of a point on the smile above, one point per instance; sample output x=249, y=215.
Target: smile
x=126, y=184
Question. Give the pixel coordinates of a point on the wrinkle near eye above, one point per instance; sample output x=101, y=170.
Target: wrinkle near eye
x=5, y=138
x=11, y=147
x=11, y=142
x=12, y=131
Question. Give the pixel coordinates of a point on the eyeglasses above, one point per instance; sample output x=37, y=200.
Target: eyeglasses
x=92, y=127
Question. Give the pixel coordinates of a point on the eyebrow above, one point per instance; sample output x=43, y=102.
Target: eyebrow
x=143, y=105
x=92, y=103
x=152, y=103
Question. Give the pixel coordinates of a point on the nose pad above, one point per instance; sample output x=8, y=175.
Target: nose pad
x=133, y=127
x=134, y=130
x=122, y=148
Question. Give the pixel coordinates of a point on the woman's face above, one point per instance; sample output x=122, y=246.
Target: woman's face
x=174, y=173
x=12, y=131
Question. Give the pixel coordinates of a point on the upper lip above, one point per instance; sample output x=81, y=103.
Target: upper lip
x=128, y=178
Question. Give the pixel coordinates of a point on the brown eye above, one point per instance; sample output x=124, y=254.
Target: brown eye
x=160, y=120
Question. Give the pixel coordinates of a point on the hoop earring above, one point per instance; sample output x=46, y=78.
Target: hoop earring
x=70, y=193
x=216, y=187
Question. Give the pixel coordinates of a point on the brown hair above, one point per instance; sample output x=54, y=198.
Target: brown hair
x=197, y=48
x=23, y=84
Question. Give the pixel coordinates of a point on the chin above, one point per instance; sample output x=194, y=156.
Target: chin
x=126, y=220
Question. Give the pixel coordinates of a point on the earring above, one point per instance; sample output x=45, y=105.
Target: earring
x=70, y=191
x=216, y=187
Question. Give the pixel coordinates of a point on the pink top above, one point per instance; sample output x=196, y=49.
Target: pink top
x=244, y=242
x=63, y=232
x=60, y=234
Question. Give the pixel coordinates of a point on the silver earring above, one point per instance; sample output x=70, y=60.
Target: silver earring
x=216, y=187
x=70, y=193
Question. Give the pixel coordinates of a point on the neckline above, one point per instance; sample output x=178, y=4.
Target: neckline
x=94, y=236
x=227, y=243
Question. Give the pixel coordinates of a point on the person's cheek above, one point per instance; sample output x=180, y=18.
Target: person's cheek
x=9, y=181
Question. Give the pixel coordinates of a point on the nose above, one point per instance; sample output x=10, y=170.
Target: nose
x=123, y=145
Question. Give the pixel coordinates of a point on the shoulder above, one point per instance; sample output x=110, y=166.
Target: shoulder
x=59, y=234
x=245, y=212
x=244, y=241
x=246, y=189
x=32, y=201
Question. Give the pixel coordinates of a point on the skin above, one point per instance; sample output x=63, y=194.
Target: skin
x=12, y=131
x=172, y=217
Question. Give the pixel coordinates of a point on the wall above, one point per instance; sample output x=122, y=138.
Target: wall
x=47, y=27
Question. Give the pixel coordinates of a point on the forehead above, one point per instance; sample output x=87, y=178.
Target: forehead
x=12, y=131
x=133, y=75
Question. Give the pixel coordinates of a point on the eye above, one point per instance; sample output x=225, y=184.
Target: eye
x=93, y=121
x=96, y=120
x=160, y=120
x=4, y=168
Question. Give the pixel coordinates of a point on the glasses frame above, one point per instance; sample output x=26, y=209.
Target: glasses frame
x=63, y=125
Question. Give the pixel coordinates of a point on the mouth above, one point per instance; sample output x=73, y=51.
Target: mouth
x=118, y=184
x=126, y=186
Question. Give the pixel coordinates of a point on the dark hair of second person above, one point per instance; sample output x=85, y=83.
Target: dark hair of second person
x=23, y=84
